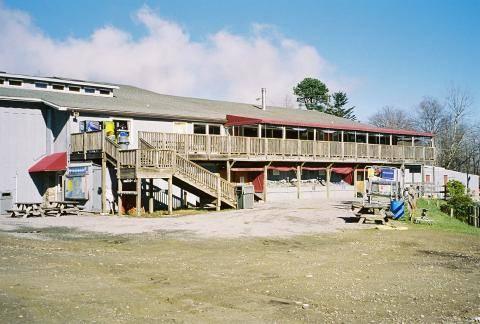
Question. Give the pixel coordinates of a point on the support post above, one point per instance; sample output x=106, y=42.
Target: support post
x=259, y=131
x=328, y=181
x=219, y=193
x=184, y=199
x=265, y=182
x=104, y=183
x=170, y=195
x=299, y=178
x=229, y=172
x=138, y=205
x=119, y=190
x=355, y=176
x=150, y=196
x=343, y=146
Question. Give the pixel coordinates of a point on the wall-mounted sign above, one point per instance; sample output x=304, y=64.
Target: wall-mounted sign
x=77, y=171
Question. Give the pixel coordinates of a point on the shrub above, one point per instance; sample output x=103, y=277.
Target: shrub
x=455, y=188
x=458, y=200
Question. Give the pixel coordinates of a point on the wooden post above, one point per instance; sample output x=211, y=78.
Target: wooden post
x=299, y=179
x=343, y=145
x=475, y=216
x=184, y=199
x=150, y=196
x=265, y=182
x=328, y=181
x=259, y=131
x=219, y=193
x=229, y=172
x=451, y=212
x=138, y=205
x=170, y=195
x=104, y=183
x=368, y=146
x=355, y=175
x=119, y=190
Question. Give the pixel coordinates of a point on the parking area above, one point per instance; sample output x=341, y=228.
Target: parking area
x=278, y=218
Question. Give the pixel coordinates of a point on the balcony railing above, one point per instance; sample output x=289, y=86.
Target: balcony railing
x=215, y=146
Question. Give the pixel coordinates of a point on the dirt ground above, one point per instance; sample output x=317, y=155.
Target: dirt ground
x=285, y=218
x=58, y=274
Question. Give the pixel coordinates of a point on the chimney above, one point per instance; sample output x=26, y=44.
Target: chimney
x=264, y=99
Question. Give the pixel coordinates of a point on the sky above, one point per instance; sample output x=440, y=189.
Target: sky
x=379, y=52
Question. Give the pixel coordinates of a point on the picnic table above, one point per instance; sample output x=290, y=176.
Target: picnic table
x=60, y=208
x=371, y=211
x=53, y=208
x=26, y=209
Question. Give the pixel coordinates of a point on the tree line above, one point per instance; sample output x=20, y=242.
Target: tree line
x=457, y=136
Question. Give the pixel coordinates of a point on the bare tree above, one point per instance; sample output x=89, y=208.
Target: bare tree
x=430, y=116
x=391, y=117
x=451, y=139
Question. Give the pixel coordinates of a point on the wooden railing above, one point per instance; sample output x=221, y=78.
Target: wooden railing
x=168, y=159
x=253, y=147
x=206, y=178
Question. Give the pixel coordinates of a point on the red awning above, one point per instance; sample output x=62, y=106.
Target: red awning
x=233, y=120
x=52, y=162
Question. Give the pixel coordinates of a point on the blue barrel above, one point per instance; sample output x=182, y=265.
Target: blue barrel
x=397, y=208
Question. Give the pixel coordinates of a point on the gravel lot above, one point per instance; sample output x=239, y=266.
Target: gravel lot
x=285, y=218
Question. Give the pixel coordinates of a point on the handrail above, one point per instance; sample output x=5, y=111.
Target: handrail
x=232, y=146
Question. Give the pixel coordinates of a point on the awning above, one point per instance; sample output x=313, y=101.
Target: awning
x=234, y=120
x=52, y=162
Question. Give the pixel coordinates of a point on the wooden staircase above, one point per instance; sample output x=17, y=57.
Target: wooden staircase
x=148, y=162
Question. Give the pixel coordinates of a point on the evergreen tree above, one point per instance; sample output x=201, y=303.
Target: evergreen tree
x=313, y=93
x=337, y=106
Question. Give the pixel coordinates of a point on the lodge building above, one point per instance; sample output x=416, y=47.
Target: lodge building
x=107, y=143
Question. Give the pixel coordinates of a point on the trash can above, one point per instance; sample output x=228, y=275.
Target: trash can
x=6, y=202
x=245, y=196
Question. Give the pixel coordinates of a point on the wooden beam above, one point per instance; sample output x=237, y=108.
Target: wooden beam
x=299, y=179
x=265, y=182
x=119, y=189
x=355, y=176
x=170, y=195
x=150, y=196
x=229, y=171
x=219, y=192
x=104, y=183
x=138, y=205
x=328, y=170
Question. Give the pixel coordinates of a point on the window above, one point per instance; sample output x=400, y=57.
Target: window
x=58, y=87
x=41, y=85
x=74, y=88
x=16, y=83
x=1, y=81
x=89, y=90
x=199, y=129
x=214, y=130
x=104, y=92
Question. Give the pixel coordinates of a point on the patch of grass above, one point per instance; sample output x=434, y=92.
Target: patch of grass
x=442, y=221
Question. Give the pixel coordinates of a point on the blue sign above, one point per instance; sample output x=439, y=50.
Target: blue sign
x=388, y=173
x=77, y=171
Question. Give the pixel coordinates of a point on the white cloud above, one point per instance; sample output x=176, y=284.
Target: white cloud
x=224, y=66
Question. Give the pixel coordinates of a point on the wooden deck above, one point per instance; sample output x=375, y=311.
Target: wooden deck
x=217, y=147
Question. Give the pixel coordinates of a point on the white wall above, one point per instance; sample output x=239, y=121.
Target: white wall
x=439, y=176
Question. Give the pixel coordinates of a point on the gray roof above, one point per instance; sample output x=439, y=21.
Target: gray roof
x=134, y=101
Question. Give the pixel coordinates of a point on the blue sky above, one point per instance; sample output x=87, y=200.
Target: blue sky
x=381, y=52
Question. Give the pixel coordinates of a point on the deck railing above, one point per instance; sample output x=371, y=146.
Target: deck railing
x=213, y=146
x=253, y=147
